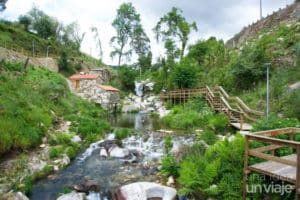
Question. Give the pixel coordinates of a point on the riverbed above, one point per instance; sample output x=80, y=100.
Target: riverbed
x=111, y=173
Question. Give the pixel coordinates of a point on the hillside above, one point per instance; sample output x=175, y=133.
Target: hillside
x=40, y=99
x=288, y=15
x=17, y=44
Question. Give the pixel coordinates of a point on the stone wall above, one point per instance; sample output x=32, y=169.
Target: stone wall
x=88, y=90
x=105, y=75
x=107, y=99
x=288, y=15
x=15, y=57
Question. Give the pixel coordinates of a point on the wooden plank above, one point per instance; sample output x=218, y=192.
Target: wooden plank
x=245, y=172
x=269, y=140
x=278, y=170
x=267, y=148
x=298, y=174
x=272, y=158
x=274, y=132
x=245, y=127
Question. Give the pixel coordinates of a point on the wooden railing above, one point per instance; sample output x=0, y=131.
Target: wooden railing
x=219, y=100
x=267, y=137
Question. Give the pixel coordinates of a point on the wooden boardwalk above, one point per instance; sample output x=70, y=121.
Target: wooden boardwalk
x=236, y=110
x=286, y=168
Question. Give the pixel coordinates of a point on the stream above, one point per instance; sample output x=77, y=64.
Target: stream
x=111, y=173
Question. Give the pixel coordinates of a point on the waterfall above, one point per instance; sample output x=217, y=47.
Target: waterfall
x=139, y=88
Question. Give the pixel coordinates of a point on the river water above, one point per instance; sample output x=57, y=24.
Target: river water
x=110, y=173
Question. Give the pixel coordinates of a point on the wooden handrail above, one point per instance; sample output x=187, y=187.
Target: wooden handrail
x=218, y=99
x=272, y=168
x=269, y=140
x=224, y=93
x=245, y=107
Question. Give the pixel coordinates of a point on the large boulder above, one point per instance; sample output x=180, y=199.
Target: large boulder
x=118, y=152
x=72, y=196
x=144, y=191
x=103, y=153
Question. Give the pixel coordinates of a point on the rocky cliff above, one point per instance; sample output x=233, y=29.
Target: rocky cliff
x=288, y=15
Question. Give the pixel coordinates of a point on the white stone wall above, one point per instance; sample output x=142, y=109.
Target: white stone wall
x=88, y=90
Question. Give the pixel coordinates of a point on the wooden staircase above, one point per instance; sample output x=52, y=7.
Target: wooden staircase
x=239, y=114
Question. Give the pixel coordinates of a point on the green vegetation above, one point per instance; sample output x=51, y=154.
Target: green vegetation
x=195, y=114
x=30, y=104
x=41, y=32
x=130, y=32
x=122, y=133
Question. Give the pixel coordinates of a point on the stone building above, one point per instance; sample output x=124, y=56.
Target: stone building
x=106, y=95
x=89, y=86
x=104, y=74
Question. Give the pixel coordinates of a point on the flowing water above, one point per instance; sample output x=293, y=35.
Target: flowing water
x=111, y=173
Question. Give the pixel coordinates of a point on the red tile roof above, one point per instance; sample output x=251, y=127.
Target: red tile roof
x=84, y=76
x=108, y=88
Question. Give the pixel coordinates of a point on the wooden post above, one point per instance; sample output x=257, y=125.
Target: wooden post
x=291, y=136
x=245, y=172
x=25, y=65
x=298, y=174
x=241, y=121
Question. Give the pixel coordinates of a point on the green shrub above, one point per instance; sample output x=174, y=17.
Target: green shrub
x=59, y=138
x=275, y=122
x=24, y=185
x=218, y=122
x=56, y=151
x=168, y=144
x=221, y=164
x=121, y=133
x=209, y=137
x=170, y=166
x=71, y=152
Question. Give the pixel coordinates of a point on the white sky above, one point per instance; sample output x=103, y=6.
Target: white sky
x=218, y=18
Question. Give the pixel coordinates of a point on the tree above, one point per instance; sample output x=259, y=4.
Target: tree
x=25, y=20
x=2, y=5
x=72, y=36
x=184, y=75
x=44, y=25
x=98, y=41
x=129, y=32
x=174, y=26
x=127, y=76
x=209, y=53
x=141, y=45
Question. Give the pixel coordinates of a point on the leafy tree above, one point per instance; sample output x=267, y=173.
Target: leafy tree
x=25, y=20
x=129, y=31
x=141, y=45
x=2, y=5
x=249, y=68
x=72, y=36
x=184, y=75
x=123, y=23
x=127, y=76
x=209, y=53
x=43, y=24
x=98, y=41
x=174, y=26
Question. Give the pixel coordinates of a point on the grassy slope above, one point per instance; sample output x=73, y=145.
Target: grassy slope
x=281, y=45
x=12, y=36
x=31, y=102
